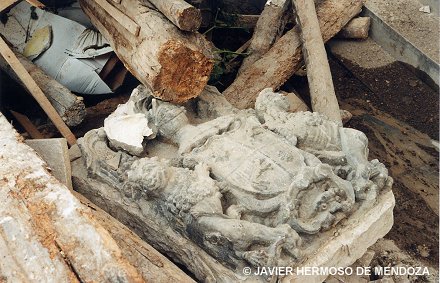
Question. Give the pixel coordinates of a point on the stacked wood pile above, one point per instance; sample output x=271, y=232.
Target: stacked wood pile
x=157, y=44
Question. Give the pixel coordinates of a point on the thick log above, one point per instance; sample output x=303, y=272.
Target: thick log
x=35, y=91
x=175, y=64
x=69, y=106
x=269, y=28
x=185, y=16
x=322, y=91
x=46, y=235
x=357, y=28
x=285, y=56
x=152, y=265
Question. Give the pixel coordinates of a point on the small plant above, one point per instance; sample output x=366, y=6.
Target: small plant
x=224, y=65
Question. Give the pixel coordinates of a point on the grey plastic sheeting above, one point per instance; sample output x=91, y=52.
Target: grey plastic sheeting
x=76, y=55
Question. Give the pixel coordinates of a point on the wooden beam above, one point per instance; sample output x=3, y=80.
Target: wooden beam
x=176, y=65
x=36, y=3
x=269, y=28
x=4, y=4
x=69, y=106
x=285, y=56
x=120, y=17
x=185, y=16
x=36, y=92
x=152, y=265
x=28, y=126
x=322, y=91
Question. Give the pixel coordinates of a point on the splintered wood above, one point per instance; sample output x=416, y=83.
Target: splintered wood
x=285, y=56
x=176, y=65
x=45, y=233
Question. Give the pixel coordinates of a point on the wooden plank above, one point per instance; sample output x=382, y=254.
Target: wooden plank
x=36, y=92
x=152, y=265
x=69, y=106
x=28, y=126
x=120, y=17
x=322, y=91
x=36, y=3
x=4, y=4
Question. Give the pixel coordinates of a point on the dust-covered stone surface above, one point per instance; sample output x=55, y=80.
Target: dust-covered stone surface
x=231, y=188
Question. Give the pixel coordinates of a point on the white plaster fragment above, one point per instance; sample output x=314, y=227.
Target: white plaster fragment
x=126, y=130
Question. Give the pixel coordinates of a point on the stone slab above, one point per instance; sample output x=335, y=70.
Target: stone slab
x=340, y=249
x=361, y=231
x=56, y=155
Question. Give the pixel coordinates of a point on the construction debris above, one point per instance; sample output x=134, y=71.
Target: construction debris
x=35, y=91
x=269, y=173
x=322, y=91
x=55, y=153
x=285, y=56
x=425, y=9
x=27, y=125
x=126, y=128
x=176, y=65
x=76, y=54
x=269, y=28
x=46, y=234
x=70, y=107
x=180, y=13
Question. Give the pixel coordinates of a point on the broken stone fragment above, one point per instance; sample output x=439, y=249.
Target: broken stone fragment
x=126, y=129
x=425, y=9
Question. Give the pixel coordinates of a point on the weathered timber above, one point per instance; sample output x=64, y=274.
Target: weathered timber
x=357, y=28
x=120, y=17
x=185, y=16
x=285, y=56
x=35, y=91
x=322, y=91
x=45, y=233
x=6, y=4
x=152, y=265
x=69, y=106
x=175, y=64
x=269, y=28
x=27, y=125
